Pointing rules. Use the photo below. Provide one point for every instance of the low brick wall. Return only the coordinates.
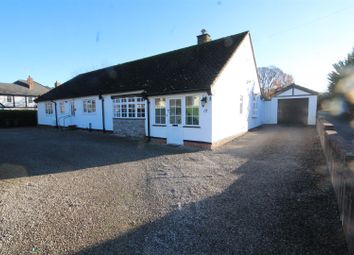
(155, 140)
(129, 127)
(340, 161)
(200, 145)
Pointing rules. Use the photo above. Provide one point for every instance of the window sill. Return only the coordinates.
(126, 118)
(158, 125)
(191, 126)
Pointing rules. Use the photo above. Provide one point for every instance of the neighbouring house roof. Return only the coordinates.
(22, 88)
(185, 70)
(295, 86)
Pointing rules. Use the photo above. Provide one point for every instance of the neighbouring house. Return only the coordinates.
(203, 95)
(21, 94)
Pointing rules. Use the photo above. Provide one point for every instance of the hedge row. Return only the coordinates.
(18, 118)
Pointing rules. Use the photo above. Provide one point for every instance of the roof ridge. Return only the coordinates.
(165, 53)
(186, 69)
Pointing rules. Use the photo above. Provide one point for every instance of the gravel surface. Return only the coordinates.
(267, 192)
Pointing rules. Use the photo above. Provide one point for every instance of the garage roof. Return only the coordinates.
(295, 86)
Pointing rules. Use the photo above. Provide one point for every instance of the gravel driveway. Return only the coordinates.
(267, 192)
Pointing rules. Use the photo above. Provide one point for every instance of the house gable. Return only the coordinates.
(233, 93)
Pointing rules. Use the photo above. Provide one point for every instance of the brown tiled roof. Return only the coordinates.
(185, 70)
(21, 88)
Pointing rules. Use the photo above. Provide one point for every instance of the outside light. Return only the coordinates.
(204, 100)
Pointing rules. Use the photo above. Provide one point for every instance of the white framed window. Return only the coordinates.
(131, 109)
(116, 108)
(9, 99)
(124, 109)
(89, 105)
(128, 107)
(160, 111)
(140, 107)
(254, 106)
(30, 100)
(49, 108)
(175, 110)
(62, 107)
(241, 104)
(192, 110)
(140, 110)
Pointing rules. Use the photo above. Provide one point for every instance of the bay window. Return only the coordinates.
(128, 107)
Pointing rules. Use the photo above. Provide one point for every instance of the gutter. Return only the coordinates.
(207, 90)
(144, 94)
(56, 114)
(148, 119)
(103, 116)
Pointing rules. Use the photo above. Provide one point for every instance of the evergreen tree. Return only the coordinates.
(342, 70)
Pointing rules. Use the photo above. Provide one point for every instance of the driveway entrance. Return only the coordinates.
(267, 192)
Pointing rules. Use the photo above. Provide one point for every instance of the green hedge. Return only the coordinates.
(18, 118)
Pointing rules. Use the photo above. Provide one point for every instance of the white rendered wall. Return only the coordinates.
(43, 118)
(270, 112)
(201, 133)
(255, 120)
(80, 119)
(298, 92)
(239, 77)
(108, 109)
(312, 110)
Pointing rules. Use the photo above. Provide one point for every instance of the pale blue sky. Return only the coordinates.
(56, 40)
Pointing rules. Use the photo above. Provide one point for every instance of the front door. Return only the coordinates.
(72, 108)
(71, 112)
(174, 123)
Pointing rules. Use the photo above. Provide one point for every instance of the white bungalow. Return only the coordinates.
(203, 95)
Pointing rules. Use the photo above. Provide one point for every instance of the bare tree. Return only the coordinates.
(272, 79)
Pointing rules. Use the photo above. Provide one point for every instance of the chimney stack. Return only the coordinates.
(57, 84)
(30, 82)
(204, 37)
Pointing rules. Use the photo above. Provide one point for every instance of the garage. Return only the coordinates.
(292, 105)
(293, 111)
